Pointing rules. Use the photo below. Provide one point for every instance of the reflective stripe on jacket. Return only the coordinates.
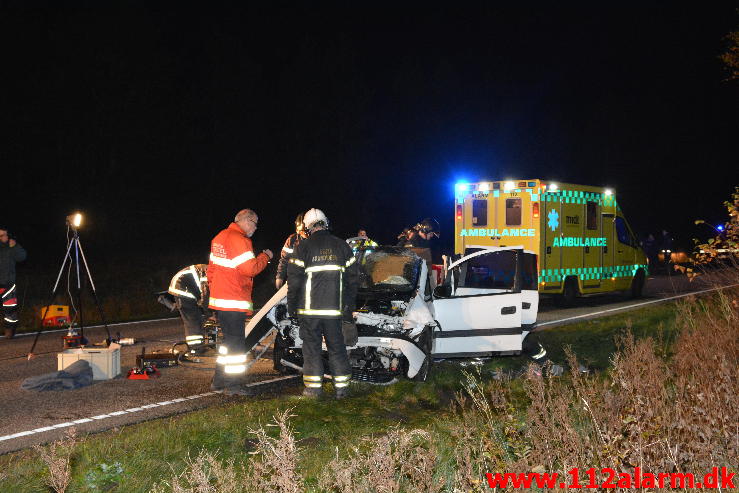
(231, 270)
(291, 244)
(191, 282)
(322, 278)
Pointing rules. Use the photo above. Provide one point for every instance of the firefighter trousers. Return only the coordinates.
(192, 319)
(312, 331)
(10, 308)
(231, 362)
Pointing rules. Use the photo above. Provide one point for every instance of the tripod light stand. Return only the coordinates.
(76, 257)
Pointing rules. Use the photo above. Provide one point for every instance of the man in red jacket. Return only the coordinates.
(231, 273)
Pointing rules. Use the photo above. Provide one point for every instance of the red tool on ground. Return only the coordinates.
(143, 372)
(146, 373)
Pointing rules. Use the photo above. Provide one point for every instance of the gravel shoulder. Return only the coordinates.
(30, 410)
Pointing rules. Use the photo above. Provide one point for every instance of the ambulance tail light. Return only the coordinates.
(459, 212)
(535, 210)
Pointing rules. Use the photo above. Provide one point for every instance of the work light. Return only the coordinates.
(74, 220)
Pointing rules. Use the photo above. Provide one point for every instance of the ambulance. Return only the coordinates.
(583, 242)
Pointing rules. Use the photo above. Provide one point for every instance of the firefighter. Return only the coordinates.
(290, 245)
(190, 290)
(321, 291)
(231, 271)
(361, 241)
(406, 236)
(421, 243)
(10, 254)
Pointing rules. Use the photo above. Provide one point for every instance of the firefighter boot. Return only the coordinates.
(236, 385)
(219, 379)
(313, 393)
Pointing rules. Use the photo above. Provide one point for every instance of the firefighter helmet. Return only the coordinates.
(313, 217)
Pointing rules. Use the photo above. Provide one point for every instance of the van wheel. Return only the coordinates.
(569, 295)
(637, 284)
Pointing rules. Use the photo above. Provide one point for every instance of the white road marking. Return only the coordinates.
(26, 334)
(643, 303)
(132, 410)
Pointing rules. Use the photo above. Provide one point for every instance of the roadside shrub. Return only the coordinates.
(57, 457)
(662, 415)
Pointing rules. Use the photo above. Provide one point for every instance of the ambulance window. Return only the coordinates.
(622, 232)
(480, 212)
(592, 216)
(513, 212)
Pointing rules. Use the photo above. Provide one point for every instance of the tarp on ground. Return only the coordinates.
(75, 376)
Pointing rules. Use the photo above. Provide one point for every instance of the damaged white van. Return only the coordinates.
(486, 306)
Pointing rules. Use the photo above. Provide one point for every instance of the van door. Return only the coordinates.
(529, 290)
(479, 307)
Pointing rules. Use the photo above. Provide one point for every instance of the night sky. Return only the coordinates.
(161, 121)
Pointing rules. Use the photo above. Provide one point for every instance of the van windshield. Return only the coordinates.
(389, 269)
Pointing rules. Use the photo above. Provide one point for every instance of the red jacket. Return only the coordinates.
(231, 270)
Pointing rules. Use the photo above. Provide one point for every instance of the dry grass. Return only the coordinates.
(663, 409)
(276, 467)
(401, 460)
(663, 415)
(57, 457)
(205, 474)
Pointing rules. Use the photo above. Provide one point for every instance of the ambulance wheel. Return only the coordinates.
(637, 284)
(569, 294)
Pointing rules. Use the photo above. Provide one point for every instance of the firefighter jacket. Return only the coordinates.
(231, 270)
(291, 244)
(9, 256)
(322, 278)
(191, 282)
(360, 243)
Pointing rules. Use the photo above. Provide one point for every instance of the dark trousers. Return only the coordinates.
(232, 324)
(10, 308)
(192, 316)
(233, 344)
(312, 331)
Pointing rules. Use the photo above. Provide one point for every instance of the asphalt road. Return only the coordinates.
(38, 417)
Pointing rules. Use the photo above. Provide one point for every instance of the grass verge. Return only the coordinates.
(641, 404)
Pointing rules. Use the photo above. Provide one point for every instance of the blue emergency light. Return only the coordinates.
(462, 187)
(720, 227)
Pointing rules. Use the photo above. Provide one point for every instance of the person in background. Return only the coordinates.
(231, 271)
(291, 244)
(10, 254)
(665, 245)
(361, 241)
(405, 237)
(652, 251)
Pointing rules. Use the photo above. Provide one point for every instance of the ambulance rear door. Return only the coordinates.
(551, 255)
